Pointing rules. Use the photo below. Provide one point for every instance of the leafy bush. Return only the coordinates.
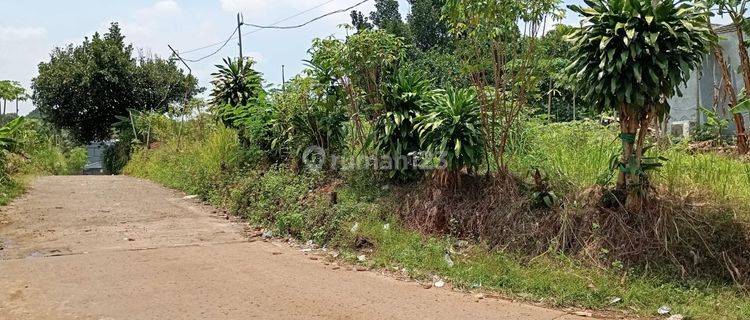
(393, 133)
(307, 116)
(116, 157)
(8, 132)
(712, 128)
(452, 127)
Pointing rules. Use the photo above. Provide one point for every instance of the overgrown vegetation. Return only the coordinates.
(420, 146)
(301, 206)
(31, 147)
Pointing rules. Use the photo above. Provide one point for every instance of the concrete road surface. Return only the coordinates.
(103, 247)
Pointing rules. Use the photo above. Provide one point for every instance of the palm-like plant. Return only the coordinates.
(632, 55)
(451, 127)
(236, 84)
(393, 133)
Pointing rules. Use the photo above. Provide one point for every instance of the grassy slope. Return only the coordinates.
(41, 157)
(285, 201)
(9, 190)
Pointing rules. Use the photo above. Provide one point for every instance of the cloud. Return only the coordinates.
(159, 9)
(246, 5)
(148, 25)
(281, 8)
(13, 33)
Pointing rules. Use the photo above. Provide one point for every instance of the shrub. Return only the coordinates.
(307, 116)
(393, 133)
(452, 127)
(116, 157)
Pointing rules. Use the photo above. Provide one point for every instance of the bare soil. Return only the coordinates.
(101, 247)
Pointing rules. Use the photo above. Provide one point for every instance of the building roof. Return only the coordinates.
(730, 28)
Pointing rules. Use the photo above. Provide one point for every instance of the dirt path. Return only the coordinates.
(101, 247)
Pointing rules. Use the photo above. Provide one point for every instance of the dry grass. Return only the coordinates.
(681, 236)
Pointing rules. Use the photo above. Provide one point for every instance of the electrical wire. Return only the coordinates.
(223, 43)
(217, 50)
(308, 22)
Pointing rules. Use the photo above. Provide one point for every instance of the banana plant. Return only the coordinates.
(8, 141)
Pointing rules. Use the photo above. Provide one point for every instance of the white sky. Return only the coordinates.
(30, 29)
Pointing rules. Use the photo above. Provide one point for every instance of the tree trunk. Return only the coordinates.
(574, 105)
(745, 64)
(17, 108)
(731, 92)
(549, 101)
(5, 104)
(628, 130)
(634, 125)
(744, 59)
(636, 186)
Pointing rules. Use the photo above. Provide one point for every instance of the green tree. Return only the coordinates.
(236, 88)
(496, 61)
(6, 93)
(426, 26)
(84, 88)
(360, 21)
(386, 17)
(632, 55)
(11, 91)
(159, 82)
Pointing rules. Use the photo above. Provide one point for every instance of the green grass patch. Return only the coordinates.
(10, 189)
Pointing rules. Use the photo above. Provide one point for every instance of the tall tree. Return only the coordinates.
(158, 82)
(360, 21)
(387, 17)
(84, 88)
(6, 93)
(632, 55)
(18, 94)
(426, 26)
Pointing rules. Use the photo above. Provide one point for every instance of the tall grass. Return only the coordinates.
(574, 156)
(190, 164)
(577, 155)
(725, 178)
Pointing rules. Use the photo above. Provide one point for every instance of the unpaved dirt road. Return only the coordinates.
(100, 247)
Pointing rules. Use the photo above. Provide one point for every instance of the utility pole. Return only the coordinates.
(239, 33)
(187, 97)
(283, 79)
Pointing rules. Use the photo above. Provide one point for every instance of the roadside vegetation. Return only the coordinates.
(32, 147)
(367, 219)
(473, 141)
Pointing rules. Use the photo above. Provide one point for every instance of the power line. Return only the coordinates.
(308, 22)
(297, 15)
(272, 26)
(217, 50)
